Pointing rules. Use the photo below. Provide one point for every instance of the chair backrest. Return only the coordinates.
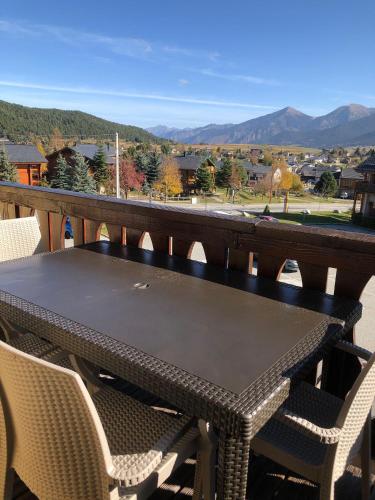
(59, 448)
(353, 416)
(19, 238)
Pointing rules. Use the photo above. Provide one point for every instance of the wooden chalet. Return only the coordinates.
(88, 151)
(348, 181)
(188, 166)
(29, 162)
(365, 191)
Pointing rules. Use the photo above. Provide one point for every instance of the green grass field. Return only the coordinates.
(315, 218)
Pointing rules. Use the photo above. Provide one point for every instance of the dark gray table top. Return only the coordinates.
(223, 327)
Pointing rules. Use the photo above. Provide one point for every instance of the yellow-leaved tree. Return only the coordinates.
(286, 181)
(169, 182)
(56, 140)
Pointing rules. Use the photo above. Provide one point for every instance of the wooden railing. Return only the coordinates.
(227, 241)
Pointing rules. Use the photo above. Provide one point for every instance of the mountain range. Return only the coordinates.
(21, 123)
(351, 125)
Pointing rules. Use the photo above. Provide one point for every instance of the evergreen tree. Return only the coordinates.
(153, 168)
(141, 161)
(100, 167)
(224, 173)
(326, 185)
(61, 178)
(166, 149)
(82, 181)
(8, 171)
(267, 210)
(203, 178)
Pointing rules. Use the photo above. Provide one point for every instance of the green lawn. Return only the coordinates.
(314, 218)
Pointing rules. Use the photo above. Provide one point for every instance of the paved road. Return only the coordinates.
(275, 207)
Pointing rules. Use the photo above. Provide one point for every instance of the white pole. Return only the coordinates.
(117, 169)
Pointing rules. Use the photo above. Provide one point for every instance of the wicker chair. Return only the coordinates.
(317, 435)
(68, 445)
(21, 238)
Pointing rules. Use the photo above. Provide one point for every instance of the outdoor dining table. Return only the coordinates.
(218, 344)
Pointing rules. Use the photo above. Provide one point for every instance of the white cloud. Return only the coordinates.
(238, 77)
(133, 95)
(15, 29)
(125, 46)
(183, 82)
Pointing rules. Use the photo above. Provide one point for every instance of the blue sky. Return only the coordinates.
(187, 63)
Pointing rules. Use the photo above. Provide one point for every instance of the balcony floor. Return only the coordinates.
(267, 481)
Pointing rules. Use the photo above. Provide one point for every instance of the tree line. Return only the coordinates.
(21, 124)
(144, 169)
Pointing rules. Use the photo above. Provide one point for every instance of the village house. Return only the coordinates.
(188, 166)
(28, 160)
(348, 180)
(88, 151)
(311, 173)
(365, 191)
(256, 173)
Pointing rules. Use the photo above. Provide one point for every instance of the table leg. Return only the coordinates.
(340, 370)
(233, 464)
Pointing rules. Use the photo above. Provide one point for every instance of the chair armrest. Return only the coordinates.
(353, 349)
(321, 434)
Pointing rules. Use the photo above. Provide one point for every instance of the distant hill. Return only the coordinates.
(21, 123)
(347, 125)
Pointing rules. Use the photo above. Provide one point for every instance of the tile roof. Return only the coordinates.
(189, 162)
(368, 165)
(314, 171)
(351, 173)
(250, 167)
(89, 151)
(24, 153)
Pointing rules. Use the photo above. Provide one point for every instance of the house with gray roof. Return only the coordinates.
(29, 161)
(348, 180)
(188, 166)
(311, 173)
(88, 151)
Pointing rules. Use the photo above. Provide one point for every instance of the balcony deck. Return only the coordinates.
(230, 242)
(267, 480)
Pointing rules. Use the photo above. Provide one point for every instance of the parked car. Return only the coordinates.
(268, 218)
(291, 266)
(68, 229)
(222, 212)
(344, 195)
